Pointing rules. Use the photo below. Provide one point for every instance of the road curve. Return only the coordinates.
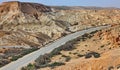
(25, 60)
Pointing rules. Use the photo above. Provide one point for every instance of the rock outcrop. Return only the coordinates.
(26, 24)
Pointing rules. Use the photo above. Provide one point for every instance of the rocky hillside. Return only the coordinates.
(33, 24)
(26, 24)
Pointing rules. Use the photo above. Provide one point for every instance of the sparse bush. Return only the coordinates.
(86, 45)
(56, 51)
(14, 58)
(23, 68)
(111, 68)
(94, 32)
(64, 34)
(118, 66)
(42, 60)
(75, 53)
(82, 50)
(102, 46)
(98, 48)
(3, 62)
(24, 52)
(67, 58)
(64, 56)
(56, 64)
(80, 55)
(96, 55)
(29, 67)
(28, 51)
(68, 47)
(90, 54)
(70, 53)
(85, 35)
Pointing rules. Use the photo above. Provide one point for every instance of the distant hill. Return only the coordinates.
(81, 7)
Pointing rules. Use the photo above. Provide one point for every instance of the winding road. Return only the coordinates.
(25, 60)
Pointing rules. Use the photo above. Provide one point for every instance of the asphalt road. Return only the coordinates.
(24, 61)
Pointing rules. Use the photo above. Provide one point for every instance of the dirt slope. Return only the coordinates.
(108, 61)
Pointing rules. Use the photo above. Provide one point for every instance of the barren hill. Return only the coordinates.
(24, 24)
(29, 8)
(21, 12)
(21, 23)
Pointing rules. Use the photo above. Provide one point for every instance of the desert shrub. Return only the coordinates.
(94, 32)
(78, 39)
(3, 62)
(110, 48)
(29, 67)
(90, 54)
(118, 66)
(23, 68)
(27, 51)
(70, 53)
(80, 55)
(56, 64)
(67, 58)
(83, 39)
(42, 60)
(88, 50)
(86, 45)
(111, 68)
(75, 53)
(87, 35)
(96, 55)
(64, 34)
(102, 46)
(93, 25)
(82, 50)
(14, 58)
(24, 52)
(56, 51)
(67, 47)
(64, 56)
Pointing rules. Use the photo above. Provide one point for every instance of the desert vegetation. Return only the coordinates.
(12, 54)
(90, 54)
